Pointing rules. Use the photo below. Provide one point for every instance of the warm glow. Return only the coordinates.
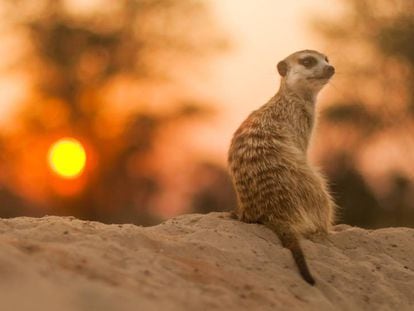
(67, 157)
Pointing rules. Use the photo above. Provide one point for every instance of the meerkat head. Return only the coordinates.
(305, 72)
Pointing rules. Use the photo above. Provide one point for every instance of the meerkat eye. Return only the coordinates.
(308, 61)
(326, 58)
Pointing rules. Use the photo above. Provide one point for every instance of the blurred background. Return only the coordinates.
(122, 111)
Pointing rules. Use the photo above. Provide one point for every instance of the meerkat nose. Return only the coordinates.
(329, 71)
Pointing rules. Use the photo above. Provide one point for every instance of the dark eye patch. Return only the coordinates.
(326, 58)
(308, 61)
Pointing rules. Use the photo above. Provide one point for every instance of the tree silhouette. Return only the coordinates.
(368, 147)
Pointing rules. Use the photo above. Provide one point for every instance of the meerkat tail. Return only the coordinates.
(290, 240)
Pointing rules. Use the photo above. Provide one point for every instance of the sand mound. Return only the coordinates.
(198, 262)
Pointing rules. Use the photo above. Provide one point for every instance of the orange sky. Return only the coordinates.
(262, 32)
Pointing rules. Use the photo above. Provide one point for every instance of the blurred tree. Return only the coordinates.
(367, 144)
(214, 189)
(85, 59)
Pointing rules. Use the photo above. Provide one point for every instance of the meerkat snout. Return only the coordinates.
(329, 71)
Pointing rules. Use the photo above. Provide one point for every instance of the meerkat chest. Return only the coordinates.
(300, 121)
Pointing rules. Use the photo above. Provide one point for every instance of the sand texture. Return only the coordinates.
(198, 262)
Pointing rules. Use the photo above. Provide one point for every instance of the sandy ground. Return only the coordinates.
(198, 262)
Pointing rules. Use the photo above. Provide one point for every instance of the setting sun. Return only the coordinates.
(67, 157)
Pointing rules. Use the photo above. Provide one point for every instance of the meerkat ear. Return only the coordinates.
(282, 67)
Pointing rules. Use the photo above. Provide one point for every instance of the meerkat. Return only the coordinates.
(274, 181)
